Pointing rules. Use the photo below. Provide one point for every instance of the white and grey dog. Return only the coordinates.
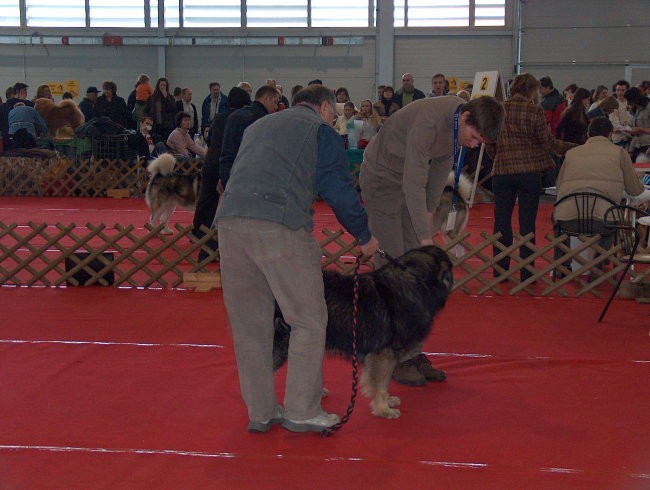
(167, 189)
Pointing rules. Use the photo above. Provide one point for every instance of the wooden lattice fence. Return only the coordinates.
(63, 176)
(36, 254)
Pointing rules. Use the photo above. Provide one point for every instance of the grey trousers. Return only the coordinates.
(389, 222)
(262, 261)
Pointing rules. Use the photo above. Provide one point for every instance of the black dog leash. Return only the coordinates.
(355, 360)
(390, 259)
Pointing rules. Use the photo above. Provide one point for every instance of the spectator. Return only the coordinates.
(600, 93)
(144, 141)
(552, 102)
(349, 112)
(43, 92)
(640, 143)
(522, 155)
(162, 108)
(180, 142)
(215, 103)
(342, 95)
(294, 90)
(26, 117)
(247, 87)
(438, 85)
(465, 95)
(110, 105)
(371, 123)
(186, 105)
(284, 102)
(621, 118)
(380, 89)
(67, 96)
(574, 122)
(18, 94)
(316, 81)
(178, 93)
(644, 88)
(408, 93)
(386, 105)
(206, 206)
(266, 102)
(568, 92)
(139, 98)
(604, 108)
(87, 105)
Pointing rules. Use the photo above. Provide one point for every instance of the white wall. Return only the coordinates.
(599, 34)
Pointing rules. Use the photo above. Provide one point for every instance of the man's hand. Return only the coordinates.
(219, 187)
(369, 248)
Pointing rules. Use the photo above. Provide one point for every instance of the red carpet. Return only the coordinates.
(131, 389)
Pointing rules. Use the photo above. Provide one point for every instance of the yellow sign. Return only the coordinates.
(72, 86)
(465, 85)
(56, 88)
(453, 84)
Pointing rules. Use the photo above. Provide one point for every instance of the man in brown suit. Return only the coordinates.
(404, 171)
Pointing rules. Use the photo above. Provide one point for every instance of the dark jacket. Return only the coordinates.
(88, 109)
(167, 112)
(115, 109)
(417, 94)
(554, 105)
(205, 108)
(233, 133)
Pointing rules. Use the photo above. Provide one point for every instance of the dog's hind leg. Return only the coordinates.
(377, 371)
(164, 218)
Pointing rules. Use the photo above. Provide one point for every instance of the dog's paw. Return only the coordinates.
(386, 412)
(166, 231)
(394, 401)
(325, 393)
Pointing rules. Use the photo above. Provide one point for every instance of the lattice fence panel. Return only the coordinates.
(36, 254)
(69, 177)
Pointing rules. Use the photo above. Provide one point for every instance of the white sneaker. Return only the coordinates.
(263, 427)
(315, 424)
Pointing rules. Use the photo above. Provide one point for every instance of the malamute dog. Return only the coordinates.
(462, 207)
(166, 190)
(397, 304)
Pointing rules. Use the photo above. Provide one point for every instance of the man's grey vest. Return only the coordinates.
(272, 178)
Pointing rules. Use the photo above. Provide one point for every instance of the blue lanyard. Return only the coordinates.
(459, 156)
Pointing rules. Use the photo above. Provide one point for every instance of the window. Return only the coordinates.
(448, 13)
(9, 13)
(339, 13)
(63, 13)
(276, 13)
(211, 13)
(116, 13)
(171, 13)
(438, 13)
(490, 13)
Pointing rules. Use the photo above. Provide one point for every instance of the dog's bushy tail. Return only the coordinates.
(464, 185)
(162, 165)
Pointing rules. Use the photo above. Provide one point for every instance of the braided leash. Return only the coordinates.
(355, 360)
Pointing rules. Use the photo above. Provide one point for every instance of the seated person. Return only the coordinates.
(371, 122)
(598, 166)
(180, 142)
(342, 121)
(144, 141)
(25, 117)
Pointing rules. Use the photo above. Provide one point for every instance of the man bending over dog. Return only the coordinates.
(268, 252)
(404, 172)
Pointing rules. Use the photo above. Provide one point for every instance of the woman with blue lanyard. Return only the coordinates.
(404, 172)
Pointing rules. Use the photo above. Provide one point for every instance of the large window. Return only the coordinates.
(116, 13)
(489, 13)
(62, 13)
(249, 13)
(211, 13)
(339, 13)
(276, 13)
(9, 13)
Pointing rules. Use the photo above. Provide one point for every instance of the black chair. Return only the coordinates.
(585, 205)
(621, 218)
